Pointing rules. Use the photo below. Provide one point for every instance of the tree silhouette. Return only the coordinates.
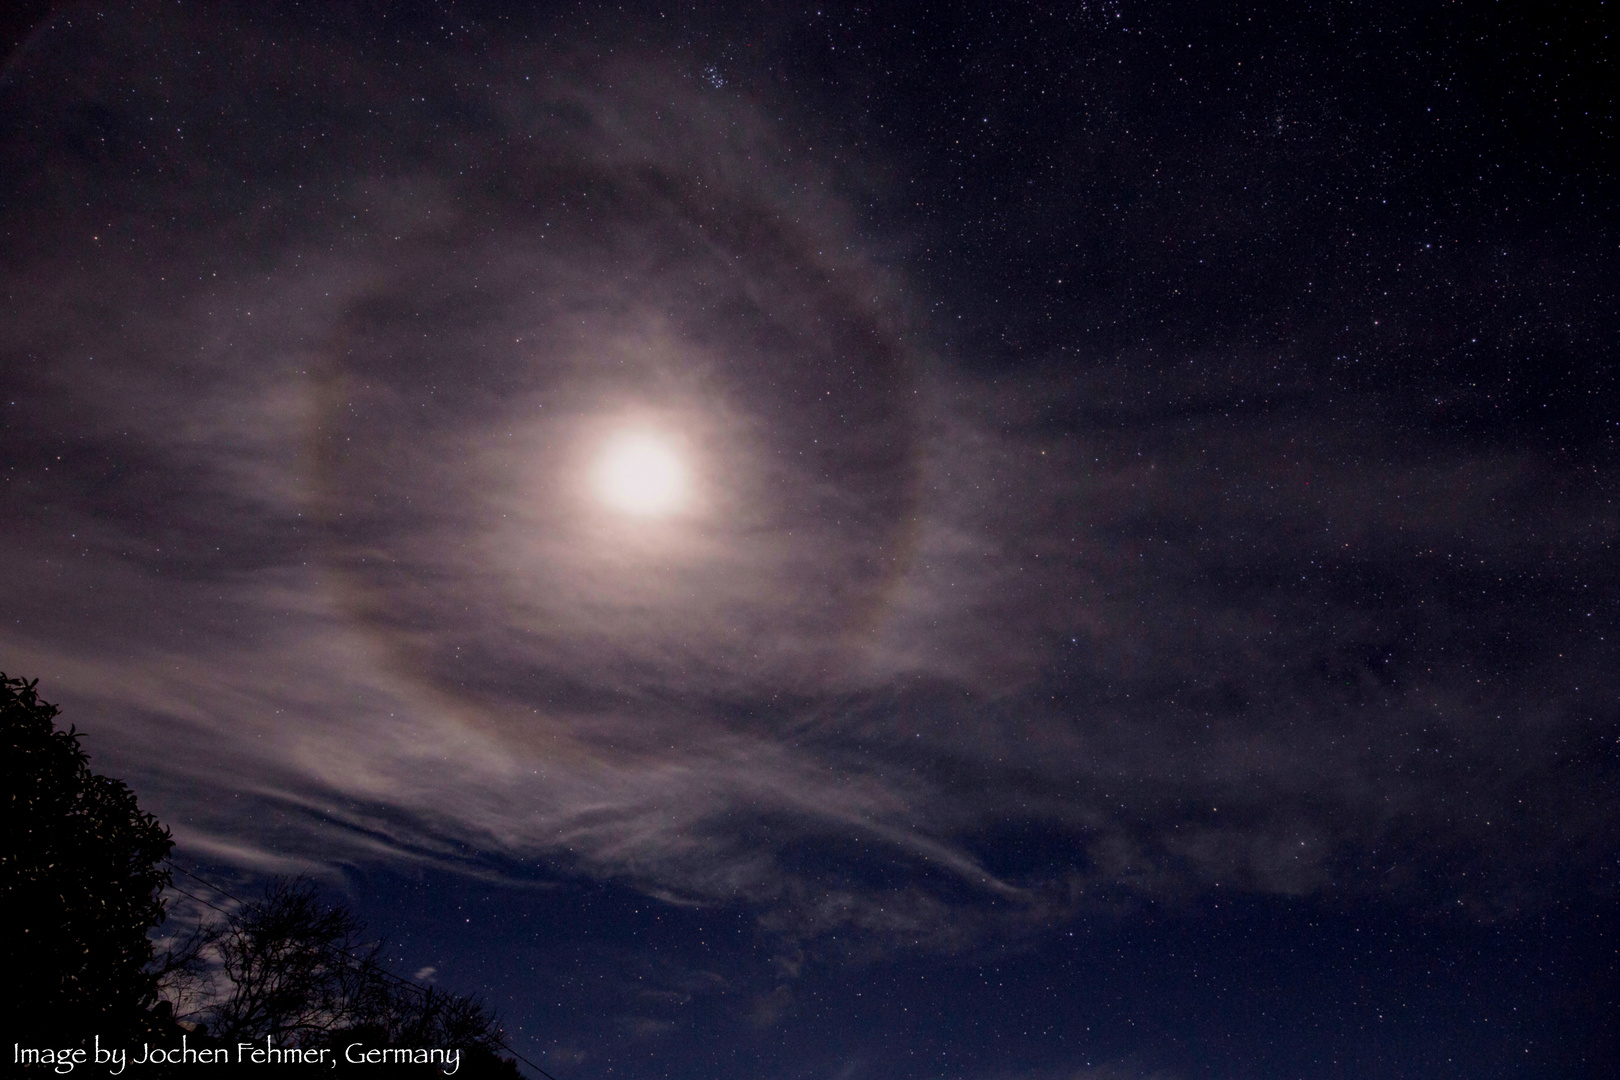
(301, 973)
(82, 881)
(285, 967)
(83, 878)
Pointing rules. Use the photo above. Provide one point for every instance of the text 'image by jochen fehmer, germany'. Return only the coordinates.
(823, 541)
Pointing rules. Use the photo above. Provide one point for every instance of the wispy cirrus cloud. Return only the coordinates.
(314, 554)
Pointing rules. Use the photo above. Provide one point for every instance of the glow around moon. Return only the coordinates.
(641, 475)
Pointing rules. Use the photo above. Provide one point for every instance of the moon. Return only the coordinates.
(639, 474)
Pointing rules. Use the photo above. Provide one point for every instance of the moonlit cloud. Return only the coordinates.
(581, 493)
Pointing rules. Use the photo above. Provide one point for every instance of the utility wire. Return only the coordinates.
(385, 973)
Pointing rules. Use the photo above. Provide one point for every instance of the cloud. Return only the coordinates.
(931, 655)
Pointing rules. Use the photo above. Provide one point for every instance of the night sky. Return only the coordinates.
(775, 542)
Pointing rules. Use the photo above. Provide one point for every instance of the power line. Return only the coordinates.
(384, 972)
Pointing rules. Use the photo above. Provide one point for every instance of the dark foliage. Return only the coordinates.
(81, 881)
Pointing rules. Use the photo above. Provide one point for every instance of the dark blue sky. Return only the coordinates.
(1132, 589)
(1225, 987)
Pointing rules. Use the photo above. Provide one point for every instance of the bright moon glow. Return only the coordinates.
(639, 474)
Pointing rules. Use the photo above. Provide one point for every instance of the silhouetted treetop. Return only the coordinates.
(81, 875)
